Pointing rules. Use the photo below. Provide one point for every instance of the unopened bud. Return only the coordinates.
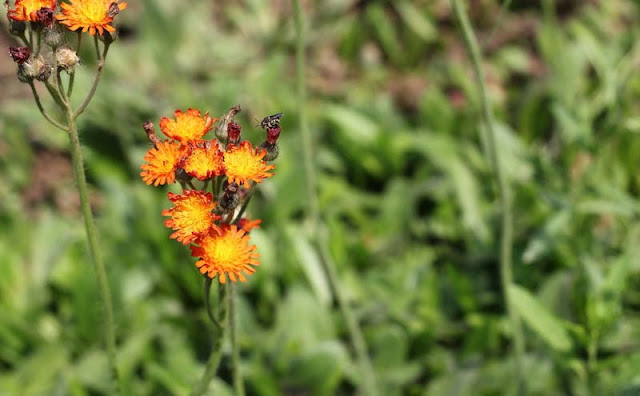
(23, 73)
(272, 151)
(19, 54)
(45, 16)
(17, 28)
(151, 131)
(108, 37)
(67, 59)
(43, 71)
(230, 198)
(233, 132)
(53, 36)
(273, 134)
(182, 177)
(221, 128)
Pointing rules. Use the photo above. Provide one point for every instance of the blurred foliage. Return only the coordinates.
(408, 203)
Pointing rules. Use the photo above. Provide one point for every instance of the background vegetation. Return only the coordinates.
(408, 202)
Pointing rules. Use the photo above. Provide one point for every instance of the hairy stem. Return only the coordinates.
(216, 352)
(506, 240)
(46, 115)
(92, 238)
(238, 383)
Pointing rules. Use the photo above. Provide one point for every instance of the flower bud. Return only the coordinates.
(230, 198)
(24, 73)
(182, 177)
(43, 70)
(45, 17)
(272, 151)
(53, 37)
(108, 37)
(67, 59)
(151, 131)
(233, 132)
(19, 54)
(17, 28)
(221, 128)
(273, 134)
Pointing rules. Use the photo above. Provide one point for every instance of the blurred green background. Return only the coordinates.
(407, 199)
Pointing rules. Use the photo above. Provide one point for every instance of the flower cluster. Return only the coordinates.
(218, 177)
(41, 23)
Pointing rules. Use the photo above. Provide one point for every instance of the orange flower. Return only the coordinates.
(247, 225)
(25, 10)
(90, 15)
(226, 253)
(203, 160)
(162, 161)
(191, 215)
(188, 126)
(244, 163)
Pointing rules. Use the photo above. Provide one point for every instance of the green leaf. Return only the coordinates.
(543, 322)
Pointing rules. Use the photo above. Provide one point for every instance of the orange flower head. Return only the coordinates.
(188, 126)
(191, 215)
(25, 10)
(162, 160)
(90, 15)
(244, 163)
(226, 253)
(203, 160)
(247, 225)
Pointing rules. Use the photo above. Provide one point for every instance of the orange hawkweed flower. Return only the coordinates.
(90, 15)
(244, 163)
(247, 225)
(25, 10)
(191, 215)
(203, 160)
(188, 126)
(162, 161)
(226, 253)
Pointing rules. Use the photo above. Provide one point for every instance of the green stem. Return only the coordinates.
(43, 111)
(96, 81)
(72, 77)
(207, 301)
(238, 384)
(366, 368)
(307, 140)
(499, 19)
(216, 352)
(92, 238)
(506, 240)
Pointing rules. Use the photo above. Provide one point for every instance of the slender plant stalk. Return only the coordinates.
(366, 368)
(307, 140)
(368, 385)
(501, 14)
(45, 114)
(506, 240)
(92, 238)
(216, 352)
(238, 383)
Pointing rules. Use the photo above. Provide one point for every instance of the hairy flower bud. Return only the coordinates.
(230, 198)
(19, 54)
(272, 151)
(67, 59)
(150, 131)
(45, 17)
(108, 37)
(233, 132)
(24, 73)
(43, 69)
(273, 134)
(53, 36)
(113, 10)
(17, 28)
